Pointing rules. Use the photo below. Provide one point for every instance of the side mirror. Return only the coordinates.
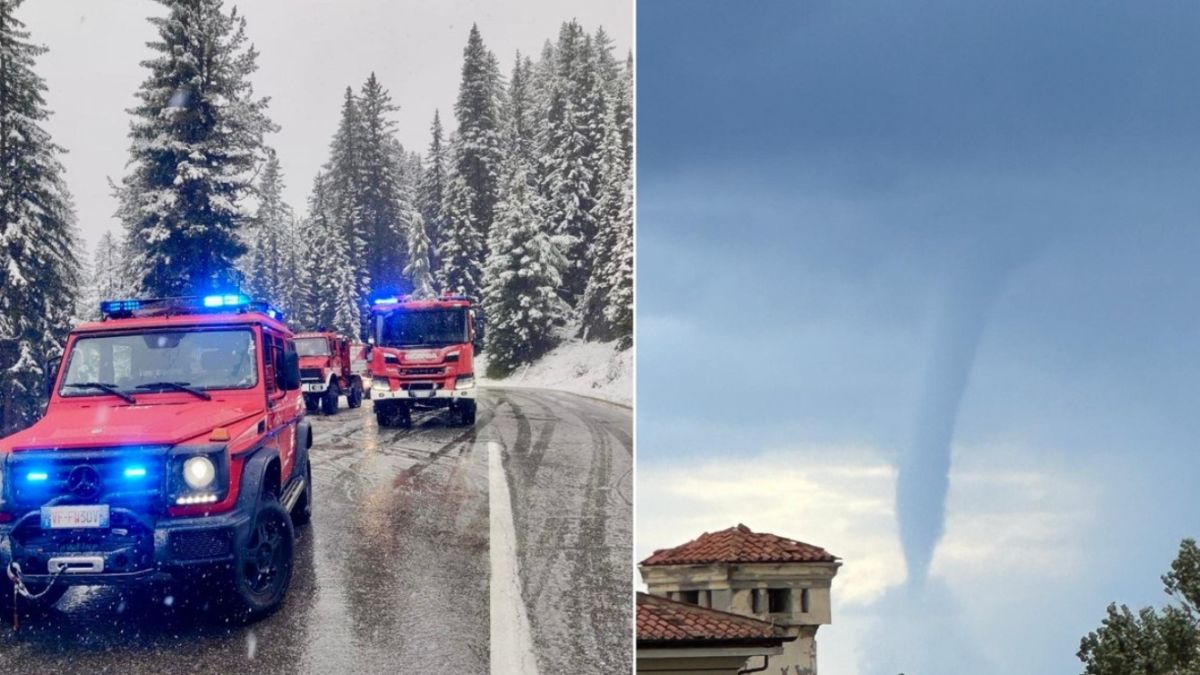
(50, 373)
(291, 371)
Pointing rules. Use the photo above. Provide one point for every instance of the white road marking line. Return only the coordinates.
(511, 642)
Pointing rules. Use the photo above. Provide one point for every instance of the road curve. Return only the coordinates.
(394, 573)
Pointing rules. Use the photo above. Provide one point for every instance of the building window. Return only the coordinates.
(777, 600)
(804, 600)
(690, 597)
(756, 601)
(706, 596)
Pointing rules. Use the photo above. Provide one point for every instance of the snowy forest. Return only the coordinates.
(520, 197)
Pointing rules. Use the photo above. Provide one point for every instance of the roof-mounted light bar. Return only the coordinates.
(224, 302)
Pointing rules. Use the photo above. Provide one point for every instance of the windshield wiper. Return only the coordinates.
(177, 386)
(105, 387)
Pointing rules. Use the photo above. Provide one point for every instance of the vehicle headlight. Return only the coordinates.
(464, 382)
(199, 472)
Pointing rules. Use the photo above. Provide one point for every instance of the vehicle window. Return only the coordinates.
(423, 328)
(208, 359)
(314, 346)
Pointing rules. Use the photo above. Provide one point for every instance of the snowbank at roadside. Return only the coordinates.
(593, 369)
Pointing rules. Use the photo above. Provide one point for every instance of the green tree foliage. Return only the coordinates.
(1152, 641)
(197, 135)
(39, 262)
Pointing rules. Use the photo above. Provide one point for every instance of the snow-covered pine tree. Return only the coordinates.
(346, 317)
(479, 153)
(196, 135)
(268, 274)
(523, 280)
(344, 183)
(106, 268)
(39, 267)
(607, 306)
(418, 270)
(462, 250)
(384, 216)
(318, 233)
(520, 133)
(575, 124)
(431, 191)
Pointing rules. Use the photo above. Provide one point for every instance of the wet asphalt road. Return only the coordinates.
(393, 574)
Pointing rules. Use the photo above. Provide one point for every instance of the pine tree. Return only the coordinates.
(196, 138)
(345, 176)
(268, 273)
(432, 189)
(384, 216)
(418, 270)
(39, 264)
(106, 268)
(575, 121)
(607, 305)
(318, 235)
(521, 299)
(462, 249)
(521, 115)
(479, 154)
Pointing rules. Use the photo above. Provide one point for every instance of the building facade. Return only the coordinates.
(762, 576)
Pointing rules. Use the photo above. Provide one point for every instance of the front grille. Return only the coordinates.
(310, 374)
(117, 476)
(201, 544)
(421, 371)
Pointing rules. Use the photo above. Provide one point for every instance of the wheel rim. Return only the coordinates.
(264, 555)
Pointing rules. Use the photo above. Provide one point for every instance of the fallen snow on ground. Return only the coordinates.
(593, 369)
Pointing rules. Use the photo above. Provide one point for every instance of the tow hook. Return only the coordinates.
(19, 589)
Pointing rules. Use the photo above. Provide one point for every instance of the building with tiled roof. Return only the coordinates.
(756, 575)
(680, 638)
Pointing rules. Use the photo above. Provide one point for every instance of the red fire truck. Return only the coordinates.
(326, 372)
(174, 448)
(422, 356)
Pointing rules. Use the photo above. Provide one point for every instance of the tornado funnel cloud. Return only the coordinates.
(924, 468)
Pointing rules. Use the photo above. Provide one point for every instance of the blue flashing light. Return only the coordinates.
(37, 476)
(225, 300)
(135, 472)
(387, 301)
(112, 306)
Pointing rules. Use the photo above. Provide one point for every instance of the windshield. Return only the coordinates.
(316, 346)
(423, 328)
(200, 359)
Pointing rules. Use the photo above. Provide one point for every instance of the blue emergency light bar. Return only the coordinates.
(236, 302)
(387, 301)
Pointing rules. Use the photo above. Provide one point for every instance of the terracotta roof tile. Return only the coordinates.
(739, 545)
(663, 620)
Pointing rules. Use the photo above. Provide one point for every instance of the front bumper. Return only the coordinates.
(146, 550)
(379, 394)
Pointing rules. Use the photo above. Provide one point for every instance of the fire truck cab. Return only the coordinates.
(326, 372)
(422, 356)
(173, 449)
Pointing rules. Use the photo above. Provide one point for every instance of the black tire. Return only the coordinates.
(466, 412)
(354, 397)
(302, 511)
(311, 403)
(263, 562)
(329, 402)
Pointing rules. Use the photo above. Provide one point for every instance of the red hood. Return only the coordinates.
(105, 422)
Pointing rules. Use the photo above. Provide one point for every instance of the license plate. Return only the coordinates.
(70, 517)
(421, 393)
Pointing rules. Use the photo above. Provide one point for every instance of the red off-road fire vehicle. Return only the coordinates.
(326, 372)
(174, 449)
(423, 356)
